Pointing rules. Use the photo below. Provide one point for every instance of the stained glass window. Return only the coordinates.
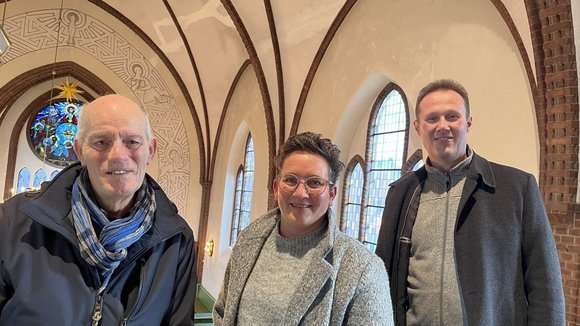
(52, 132)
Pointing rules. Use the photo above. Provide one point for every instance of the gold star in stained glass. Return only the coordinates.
(69, 90)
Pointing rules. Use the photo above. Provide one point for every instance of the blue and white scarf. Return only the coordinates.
(108, 249)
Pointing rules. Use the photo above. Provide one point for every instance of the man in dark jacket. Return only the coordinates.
(466, 241)
(101, 244)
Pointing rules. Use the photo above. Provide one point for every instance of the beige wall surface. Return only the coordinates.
(468, 42)
(245, 114)
(409, 43)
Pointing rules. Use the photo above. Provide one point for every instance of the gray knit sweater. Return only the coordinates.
(277, 275)
(433, 286)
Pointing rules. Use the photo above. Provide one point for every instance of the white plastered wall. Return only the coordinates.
(467, 41)
(245, 114)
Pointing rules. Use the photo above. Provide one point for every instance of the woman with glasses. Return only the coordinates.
(292, 265)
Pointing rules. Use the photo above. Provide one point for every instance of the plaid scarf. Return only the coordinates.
(108, 249)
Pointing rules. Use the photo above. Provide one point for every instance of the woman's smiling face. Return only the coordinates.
(303, 213)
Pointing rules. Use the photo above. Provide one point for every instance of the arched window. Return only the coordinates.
(386, 150)
(237, 206)
(53, 174)
(414, 162)
(39, 178)
(354, 182)
(243, 194)
(23, 180)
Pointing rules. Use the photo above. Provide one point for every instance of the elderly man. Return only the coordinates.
(100, 244)
(467, 241)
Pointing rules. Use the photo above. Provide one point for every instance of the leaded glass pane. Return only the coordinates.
(236, 214)
(243, 196)
(352, 210)
(248, 184)
(23, 180)
(52, 132)
(53, 174)
(387, 141)
(39, 177)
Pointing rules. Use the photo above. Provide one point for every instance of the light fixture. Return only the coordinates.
(209, 248)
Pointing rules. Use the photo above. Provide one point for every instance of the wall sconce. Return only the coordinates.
(209, 248)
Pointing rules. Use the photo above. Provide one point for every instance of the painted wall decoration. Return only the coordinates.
(52, 132)
(92, 36)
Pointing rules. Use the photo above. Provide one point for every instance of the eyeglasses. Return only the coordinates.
(313, 185)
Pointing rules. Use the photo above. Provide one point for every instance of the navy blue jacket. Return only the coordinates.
(44, 280)
(507, 262)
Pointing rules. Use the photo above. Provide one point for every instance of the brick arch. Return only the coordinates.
(555, 95)
(557, 112)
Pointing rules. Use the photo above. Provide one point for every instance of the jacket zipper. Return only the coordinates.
(97, 314)
(97, 310)
(124, 321)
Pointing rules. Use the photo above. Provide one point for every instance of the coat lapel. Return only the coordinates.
(243, 264)
(319, 272)
(479, 175)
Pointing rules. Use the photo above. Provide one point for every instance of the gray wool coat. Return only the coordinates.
(506, 257)
(348, 285)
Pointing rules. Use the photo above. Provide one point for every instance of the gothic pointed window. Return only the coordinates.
(23, 180)
(39, 178)
(387, 138)
(354, 182)
(243, 193)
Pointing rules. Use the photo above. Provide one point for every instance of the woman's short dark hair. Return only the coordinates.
(312, 143)
(443, 84)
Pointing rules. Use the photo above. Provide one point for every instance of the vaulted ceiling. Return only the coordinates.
(207, 42)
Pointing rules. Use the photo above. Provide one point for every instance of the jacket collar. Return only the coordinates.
(51, 207)
(479, 168)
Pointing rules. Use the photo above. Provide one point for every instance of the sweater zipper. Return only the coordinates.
(447, 189)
